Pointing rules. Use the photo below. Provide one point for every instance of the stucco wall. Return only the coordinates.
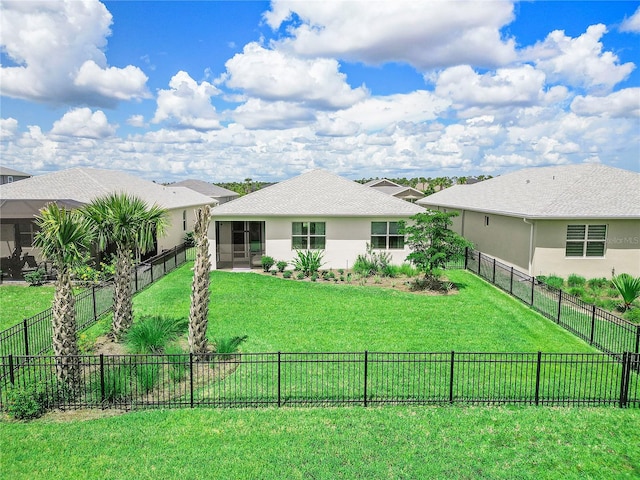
(622, 252)
(175, 231)
(346, 238)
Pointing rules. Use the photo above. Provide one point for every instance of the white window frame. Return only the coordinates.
(387, 235)
(584, 237)
(311, 234)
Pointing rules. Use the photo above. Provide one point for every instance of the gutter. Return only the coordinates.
(531, 231)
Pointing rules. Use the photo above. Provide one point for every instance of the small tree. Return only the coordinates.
(433, 245)
(199, 311)
(628, 287)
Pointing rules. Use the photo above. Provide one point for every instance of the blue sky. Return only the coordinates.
(223, 91)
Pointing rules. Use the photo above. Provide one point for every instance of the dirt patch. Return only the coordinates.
(81, 415)
(105, 344)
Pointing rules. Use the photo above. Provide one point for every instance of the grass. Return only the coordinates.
(284, 315)
(352, 443)
(18, 302)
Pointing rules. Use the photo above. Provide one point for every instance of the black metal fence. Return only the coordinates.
(33, 335)
(316, 379)
(600, 328)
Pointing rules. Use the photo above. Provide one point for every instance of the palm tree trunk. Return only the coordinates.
(65, 344)
(123, 294)
(199, 312)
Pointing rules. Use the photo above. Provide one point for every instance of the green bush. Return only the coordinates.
(552, 281)
(287, 274)
(267, 262)
(597, 283)
(629, 288)
(576, 291)
(633, 315)
(576, 280)
(26, 402)
(117, 383)
(228, 345)
(281, 265)
(179, 363)
(308, 261)
(35, 278)
(372, 262)
(314, 276)
(147, 375)
(300, 275)
(151, 334)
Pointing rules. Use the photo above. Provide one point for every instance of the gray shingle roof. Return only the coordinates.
(84, 184)
(318, 193)
(567, 191)
(206, 188)
(11, 171)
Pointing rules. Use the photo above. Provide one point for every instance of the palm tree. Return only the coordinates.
(128, 223)
(199, 312)
(628, 287)
(65, 238)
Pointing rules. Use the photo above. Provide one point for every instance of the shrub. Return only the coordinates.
(228, 345)
(577, 291)
(189, 239)
(35, 278)
(274, 272)
(267, 262)
(576, 280)
(596, 283)
(281, 265)
(300, 275)
(308, 261)
(179, 363)
(147, 375)
(553, 281)
(372, 262)
(151, 334)
(628, 287)
(314, 277)
(287, 274)
(117, 383)
(26, 402)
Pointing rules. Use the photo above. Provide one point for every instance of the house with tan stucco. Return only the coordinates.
(75, 187)
(582, 219)
(317, 210)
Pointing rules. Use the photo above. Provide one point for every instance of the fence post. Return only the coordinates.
(559, 306)
(175, 255)
(479, 262)
(135, 275)
(164, 265)
(466, 257)
(451, 377)
(638, 339)
(533, 287)
(624, 381)
(12, 378)
(279, 380)
(538, 367)
(494, 272)
(151, 269)
(511, 282)
(95, 307)
(102, 380)
(26, 336)
(366, 374)
(191, 378)
(593, 324)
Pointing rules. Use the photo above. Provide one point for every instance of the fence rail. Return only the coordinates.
(599, 328)
(32, 336)
(317, 379)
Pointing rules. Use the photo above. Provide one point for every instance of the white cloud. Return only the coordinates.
(256, 113)
(579, 61)
(82, 122)
(8, 128)
(136, 121)
(187, 103)
(57, 49)
(623, 103)
(631, 24)
(276, 76)
(425, 35)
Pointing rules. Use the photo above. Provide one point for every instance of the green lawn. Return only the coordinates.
(328, 443)
(18, 302)
(294, 316)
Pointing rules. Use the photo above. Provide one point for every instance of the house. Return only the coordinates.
(219, 194)
(317, 210)
(399, 191)
(9, 175)
(21, 201)
(582, 219)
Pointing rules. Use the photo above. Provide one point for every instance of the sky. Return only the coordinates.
(225, 91)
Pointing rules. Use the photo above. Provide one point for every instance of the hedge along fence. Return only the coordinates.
(327, 379)
(33, 335)
(599, 328)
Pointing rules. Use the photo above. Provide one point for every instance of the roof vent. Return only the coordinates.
(528, 181)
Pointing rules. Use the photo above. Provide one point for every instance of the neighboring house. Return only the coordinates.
(20, 201)
(219, 194)
(582, 219)
(399, 191)
(9, 175)
(314, 211)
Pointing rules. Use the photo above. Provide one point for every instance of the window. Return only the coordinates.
(9, 179)
(308, 235)
(184, 220)
(586, 240)
(26, 232)
(385, 235)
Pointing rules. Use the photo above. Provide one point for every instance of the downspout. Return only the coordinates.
(462, 221)
(530, 245)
